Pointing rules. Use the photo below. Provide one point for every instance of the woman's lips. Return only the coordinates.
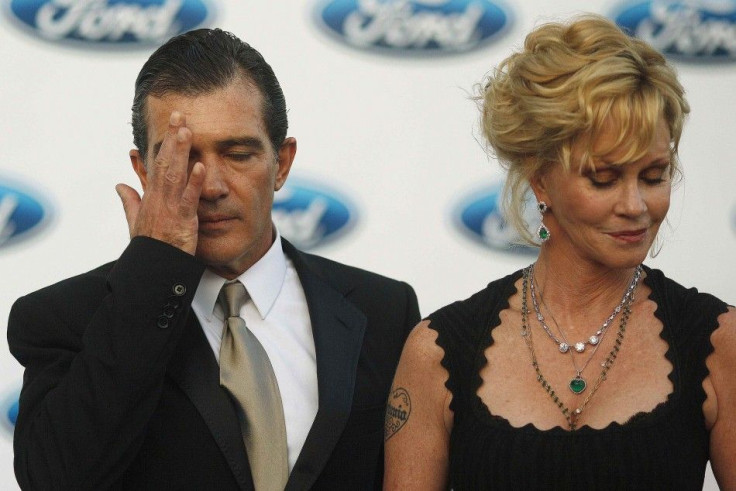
(629, 236)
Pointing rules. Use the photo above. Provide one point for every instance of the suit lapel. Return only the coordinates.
(338, 329)
(194, 368)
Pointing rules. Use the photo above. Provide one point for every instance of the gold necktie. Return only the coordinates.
(246, 372)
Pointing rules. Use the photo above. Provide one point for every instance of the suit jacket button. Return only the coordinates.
(179, 289)
(163, 322)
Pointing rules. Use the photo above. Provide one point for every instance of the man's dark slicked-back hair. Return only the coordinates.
(199, 62)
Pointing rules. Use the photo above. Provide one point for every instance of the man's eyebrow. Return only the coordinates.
(245, 141)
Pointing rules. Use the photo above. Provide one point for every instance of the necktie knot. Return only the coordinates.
(232, 297)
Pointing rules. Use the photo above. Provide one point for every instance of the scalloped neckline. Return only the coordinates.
(641, 418)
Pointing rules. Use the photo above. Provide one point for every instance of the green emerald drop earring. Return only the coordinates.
(542, 231)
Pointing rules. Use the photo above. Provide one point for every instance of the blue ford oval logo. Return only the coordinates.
(689, 30)
(22, 212)
(9, 411)
(128, 23)
(479, 217)
(308, 214)
(414, 26)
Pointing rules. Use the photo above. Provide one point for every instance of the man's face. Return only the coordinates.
(242, 170)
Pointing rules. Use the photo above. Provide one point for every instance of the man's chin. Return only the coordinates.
(212, 256)
(229, 264)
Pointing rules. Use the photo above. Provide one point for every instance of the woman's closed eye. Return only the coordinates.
(603, 179)
(656, 175)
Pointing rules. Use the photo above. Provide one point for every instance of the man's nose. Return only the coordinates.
(214, 186)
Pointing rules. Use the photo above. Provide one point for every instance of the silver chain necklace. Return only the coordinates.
(577, 384)
(593, 340)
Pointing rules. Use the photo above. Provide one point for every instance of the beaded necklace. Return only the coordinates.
(578, 384)
(572, 417)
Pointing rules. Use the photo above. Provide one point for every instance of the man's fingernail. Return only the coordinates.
(175, 118)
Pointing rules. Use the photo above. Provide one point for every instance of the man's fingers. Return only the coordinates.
(190, 196)
(172, 160)
(131, 204)
(168, 209)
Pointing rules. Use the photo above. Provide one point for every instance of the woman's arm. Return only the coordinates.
(418, 418)
(721, 388)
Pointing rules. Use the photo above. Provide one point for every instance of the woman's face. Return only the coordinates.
(609, 216)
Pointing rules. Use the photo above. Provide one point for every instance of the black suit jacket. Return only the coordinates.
(121, 389)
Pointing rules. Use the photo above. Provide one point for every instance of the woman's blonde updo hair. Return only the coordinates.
(564, 87)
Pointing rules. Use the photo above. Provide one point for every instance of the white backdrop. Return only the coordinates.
(394, 133)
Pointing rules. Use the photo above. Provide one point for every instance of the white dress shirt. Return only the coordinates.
(277, 315)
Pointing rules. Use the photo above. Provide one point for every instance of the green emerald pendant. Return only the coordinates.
(543, 233)
(577, 385)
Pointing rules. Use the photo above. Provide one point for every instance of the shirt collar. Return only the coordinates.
(263, 281)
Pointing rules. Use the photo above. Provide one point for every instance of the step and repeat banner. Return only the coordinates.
(390, 173)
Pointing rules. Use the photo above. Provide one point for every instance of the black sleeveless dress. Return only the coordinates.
(665, 449)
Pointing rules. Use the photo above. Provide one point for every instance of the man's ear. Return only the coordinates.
(287, 151)
(139, 166)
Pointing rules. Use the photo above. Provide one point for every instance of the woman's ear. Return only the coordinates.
(539, 185)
